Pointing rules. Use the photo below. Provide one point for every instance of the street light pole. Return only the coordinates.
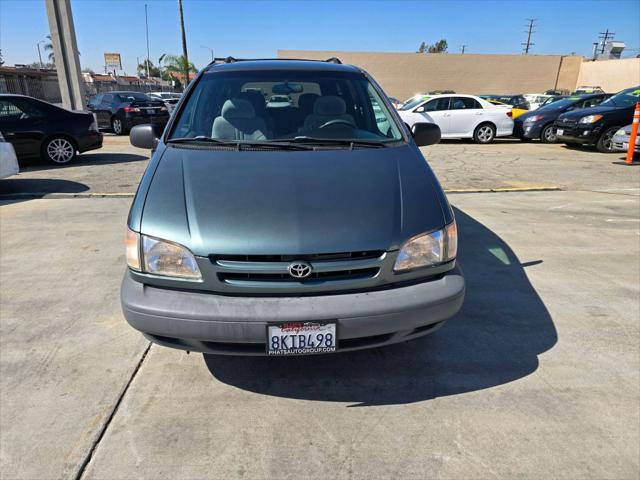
(146, 21)
(208, 48)
(39, 54)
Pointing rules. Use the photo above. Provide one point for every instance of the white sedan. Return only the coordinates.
(459, 116)
(8, 160)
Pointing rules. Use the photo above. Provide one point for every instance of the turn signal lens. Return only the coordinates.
(132, 246)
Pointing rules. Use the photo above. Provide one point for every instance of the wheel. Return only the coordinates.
(117, 127)
(605, 142)
(59, 150)
(548, 134)
(485, 133)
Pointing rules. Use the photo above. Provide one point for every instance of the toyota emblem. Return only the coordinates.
(299, 269)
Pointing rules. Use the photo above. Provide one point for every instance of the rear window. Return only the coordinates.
(134, 97)
(250, 105)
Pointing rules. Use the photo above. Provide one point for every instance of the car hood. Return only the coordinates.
(291, 202)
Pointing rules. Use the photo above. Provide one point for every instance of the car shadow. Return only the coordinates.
(496, 338)
(38, 187)
(36, 165)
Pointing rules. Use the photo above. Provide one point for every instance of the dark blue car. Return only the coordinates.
(539, 124)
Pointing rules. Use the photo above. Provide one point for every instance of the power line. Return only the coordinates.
(529, 31)
(606, 35)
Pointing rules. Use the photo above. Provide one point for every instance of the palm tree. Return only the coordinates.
(48, 47)
(178, 65)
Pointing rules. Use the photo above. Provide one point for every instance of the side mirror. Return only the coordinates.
(425, 133)
(420, 109)
(143, 136)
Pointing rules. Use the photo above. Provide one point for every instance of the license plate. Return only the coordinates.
(559, 131)
(151, 111)
(301, 338)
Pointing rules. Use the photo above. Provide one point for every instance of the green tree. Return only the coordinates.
(439, 47)
(177, 64)
(153, 70)
(48, 47)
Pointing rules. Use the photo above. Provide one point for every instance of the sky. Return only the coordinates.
(259, 28)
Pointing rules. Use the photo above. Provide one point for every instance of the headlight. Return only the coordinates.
(620, 132)
(590, 119)
(160, 257)
(532, 119)
(428, 249)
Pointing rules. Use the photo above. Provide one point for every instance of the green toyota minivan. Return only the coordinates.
(306, 226)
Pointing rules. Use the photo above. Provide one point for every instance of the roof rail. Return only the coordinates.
(230, 59)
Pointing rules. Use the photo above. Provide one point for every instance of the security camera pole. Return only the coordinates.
(65, 50)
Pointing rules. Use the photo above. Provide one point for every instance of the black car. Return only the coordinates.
(516, 101)
(39, 129)
(597, 125)
(538, 124)
(120, 111)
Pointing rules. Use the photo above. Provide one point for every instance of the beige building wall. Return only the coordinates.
(611, 75)
(402, 75)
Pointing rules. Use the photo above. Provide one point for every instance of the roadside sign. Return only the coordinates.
(112, 61)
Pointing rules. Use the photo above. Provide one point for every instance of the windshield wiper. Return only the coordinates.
(339, 141)
(240, 143)
(199, 138)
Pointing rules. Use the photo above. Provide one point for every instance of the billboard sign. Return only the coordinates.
(112, 61)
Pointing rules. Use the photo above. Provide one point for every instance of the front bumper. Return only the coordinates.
(619, 142)
(212, 323)
(582, 134)
(526, 130)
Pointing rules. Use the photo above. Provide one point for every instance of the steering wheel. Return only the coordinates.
(337, 121)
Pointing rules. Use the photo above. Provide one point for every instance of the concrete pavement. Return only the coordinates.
(538, 376)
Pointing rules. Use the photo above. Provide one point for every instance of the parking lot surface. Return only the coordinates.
(537, 376)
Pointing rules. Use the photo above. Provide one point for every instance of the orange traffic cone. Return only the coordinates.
(634, 135)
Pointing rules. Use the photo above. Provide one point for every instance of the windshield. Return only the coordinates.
(625, 98)
(241, 105)
(559, 104)
(413, 103)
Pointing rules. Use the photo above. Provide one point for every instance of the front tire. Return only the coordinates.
(59, 151)
(484, 133)
(548, 134)
(117, 126)
(605, 142)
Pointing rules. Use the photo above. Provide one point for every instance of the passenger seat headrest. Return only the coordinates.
(330, 105)
(237, 108)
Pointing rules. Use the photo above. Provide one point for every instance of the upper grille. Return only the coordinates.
(273, 270)
(568, 122)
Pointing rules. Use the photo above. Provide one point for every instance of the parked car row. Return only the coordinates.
(584, 119)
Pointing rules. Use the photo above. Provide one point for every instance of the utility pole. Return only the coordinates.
(529, 32)
(65, 49)
(606, 35)
(462, 49)
(146, 21)
(185, 55)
